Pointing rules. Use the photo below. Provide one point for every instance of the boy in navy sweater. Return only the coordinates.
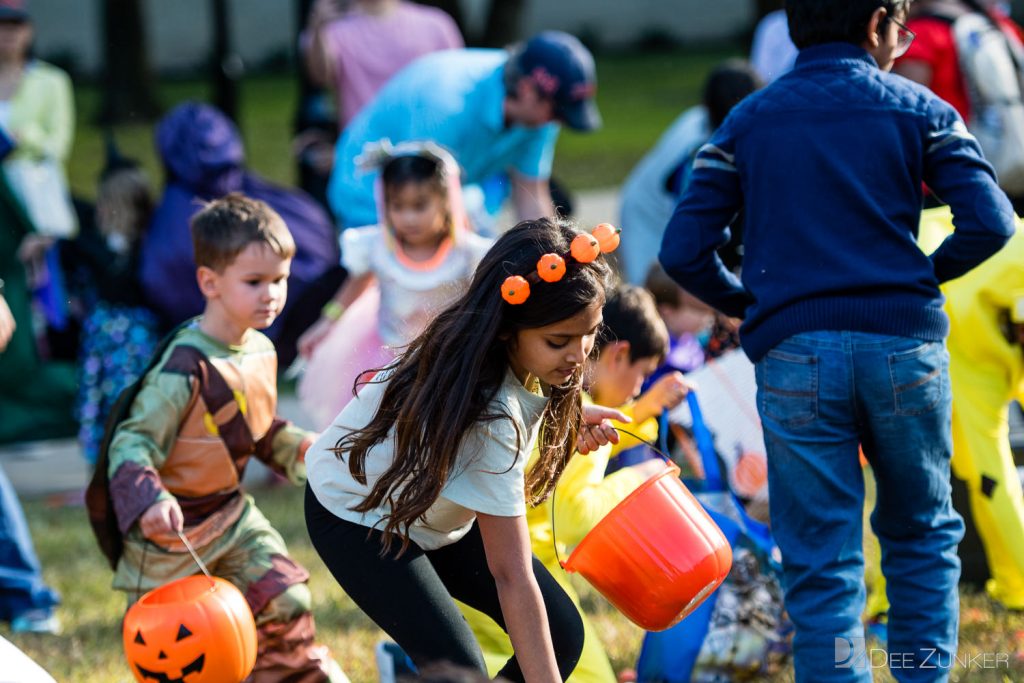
(843, 318)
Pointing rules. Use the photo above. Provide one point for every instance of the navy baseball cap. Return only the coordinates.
(563, 70)
(13, 10)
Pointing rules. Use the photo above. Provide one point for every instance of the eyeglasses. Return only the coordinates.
(903, 39)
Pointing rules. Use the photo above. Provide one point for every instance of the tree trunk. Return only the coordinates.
(225, 66)
(504, 22)
(128, 86)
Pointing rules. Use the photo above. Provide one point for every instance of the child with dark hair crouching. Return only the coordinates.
(176, 460)
(418, 491)
(843, 318)
(632, 343)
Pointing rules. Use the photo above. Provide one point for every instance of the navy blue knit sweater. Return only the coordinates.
(828, 162)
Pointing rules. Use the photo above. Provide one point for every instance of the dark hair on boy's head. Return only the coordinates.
(813, 22)
(630, 315)
(663, 288)
(443, 383)
(413, 168)
(728, 83)
(226, 226)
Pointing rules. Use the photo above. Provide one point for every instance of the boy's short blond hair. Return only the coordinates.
(226, 226)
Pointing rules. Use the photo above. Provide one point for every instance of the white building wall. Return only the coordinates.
(180, 30)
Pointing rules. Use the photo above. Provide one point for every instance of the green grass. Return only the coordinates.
(89, 651)
(639, 95)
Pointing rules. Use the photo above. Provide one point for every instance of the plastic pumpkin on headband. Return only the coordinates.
(607, 236)
(194, 630)
(585, 248)
(551, 267)
(515, 289)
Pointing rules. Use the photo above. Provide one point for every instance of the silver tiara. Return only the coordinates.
(377, 154)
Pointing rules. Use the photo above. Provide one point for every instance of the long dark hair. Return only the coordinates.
(444, 382)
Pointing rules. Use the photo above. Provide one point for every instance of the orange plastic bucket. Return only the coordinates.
(198, 629)
(657, 555)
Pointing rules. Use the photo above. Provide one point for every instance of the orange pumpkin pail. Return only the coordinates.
(657, 555)
(197, 629)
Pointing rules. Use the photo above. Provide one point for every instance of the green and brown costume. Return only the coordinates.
(198, 417)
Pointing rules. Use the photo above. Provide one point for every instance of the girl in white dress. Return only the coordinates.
(401, 273)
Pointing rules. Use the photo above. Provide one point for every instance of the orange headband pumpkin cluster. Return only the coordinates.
(603, 239)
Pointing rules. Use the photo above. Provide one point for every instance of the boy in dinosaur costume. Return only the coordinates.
(175, 461)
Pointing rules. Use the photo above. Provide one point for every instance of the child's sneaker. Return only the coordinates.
(392, 662)
(877, 630)
(36, 621)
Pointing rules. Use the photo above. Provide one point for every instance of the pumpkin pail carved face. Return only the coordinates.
(193, 630)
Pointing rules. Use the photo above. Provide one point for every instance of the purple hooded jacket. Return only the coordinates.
(202, 153)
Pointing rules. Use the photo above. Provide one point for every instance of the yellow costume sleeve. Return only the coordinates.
(584, 495)
(646, 430)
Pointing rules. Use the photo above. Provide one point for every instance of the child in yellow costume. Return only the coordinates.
(633, 343)
(986, 370)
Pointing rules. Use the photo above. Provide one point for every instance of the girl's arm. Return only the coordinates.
(507, 546)
(352, 289)
(531, 197)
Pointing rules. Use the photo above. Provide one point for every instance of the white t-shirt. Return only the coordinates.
(489, 475)
(410, 299)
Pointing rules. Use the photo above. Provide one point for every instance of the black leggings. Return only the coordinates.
(411, 597)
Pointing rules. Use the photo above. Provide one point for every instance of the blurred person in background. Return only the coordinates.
(204, 159)
(961, 72)
(119, 332)
(496, 111)
(355, 46)
(36, 125)
(25, 600)
(351, 48)
(653, 187)
(772, 52)
(932, 58)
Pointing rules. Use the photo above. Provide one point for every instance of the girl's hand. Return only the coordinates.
(161, 518)
(314, 336)
(597, 430)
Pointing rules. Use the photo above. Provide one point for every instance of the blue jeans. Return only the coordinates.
(820, 395)
(21, 581)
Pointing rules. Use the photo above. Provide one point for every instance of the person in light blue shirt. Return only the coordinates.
(498, 112)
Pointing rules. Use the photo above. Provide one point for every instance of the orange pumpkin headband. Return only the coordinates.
(603, 239)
